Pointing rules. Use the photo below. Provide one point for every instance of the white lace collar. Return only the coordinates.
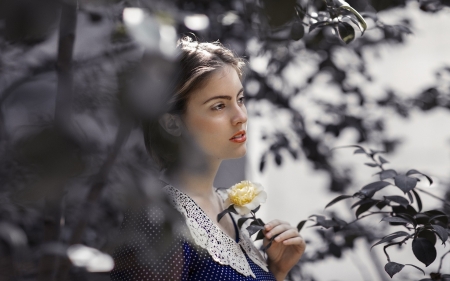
(206, 234)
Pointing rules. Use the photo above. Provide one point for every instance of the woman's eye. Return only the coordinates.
(242, 100)
(218, 107)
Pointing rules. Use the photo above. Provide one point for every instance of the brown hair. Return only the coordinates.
(197, 60)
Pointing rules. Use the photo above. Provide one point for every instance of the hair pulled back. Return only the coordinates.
(197, 62)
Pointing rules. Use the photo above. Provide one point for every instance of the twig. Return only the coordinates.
(434, 196)
(394, 243)
(442, 259)
(372, 213)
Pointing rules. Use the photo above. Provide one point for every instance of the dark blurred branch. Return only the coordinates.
(96, 189)
(64, 65)
(68, 22)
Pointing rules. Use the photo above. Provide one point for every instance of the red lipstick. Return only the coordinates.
(239, 137)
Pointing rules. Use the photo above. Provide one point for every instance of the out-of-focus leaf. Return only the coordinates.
(345, 6)
(259, 236)
(370, 189)
(278, 158)
(12, 235)
(396, 220)
(405, 183)
(390, 237)
(371, 164)
(226, 211)
(441, 232)
(335, 250)
(393, 268)
(278, 12)
(364, 207)
(359, 151)
(297, 31)
(418, 200)
(253, 228)
(346, 32)
(387, 174)
(337, 199)
(300, 225)
(320, 24)
(398, 199)
(412, 172)
(382, 160)
(424, 251)
(241, 221)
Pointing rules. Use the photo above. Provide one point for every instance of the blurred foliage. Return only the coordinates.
(74, 78)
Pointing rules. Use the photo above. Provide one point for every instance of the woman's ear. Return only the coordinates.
(171, 124)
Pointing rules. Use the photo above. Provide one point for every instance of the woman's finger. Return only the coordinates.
(278, 229)
(287, 234)
(270, 225)
(295, 241)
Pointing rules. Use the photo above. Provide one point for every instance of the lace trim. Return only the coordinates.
(222, 248)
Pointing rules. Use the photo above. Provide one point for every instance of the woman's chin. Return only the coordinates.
(238, 154)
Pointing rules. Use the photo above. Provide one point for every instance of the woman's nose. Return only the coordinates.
(239, 115)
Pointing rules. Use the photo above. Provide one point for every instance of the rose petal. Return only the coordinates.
(242, 210)
(261, 197)
(252, 205)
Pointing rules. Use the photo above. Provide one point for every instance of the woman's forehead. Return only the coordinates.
(224, 80)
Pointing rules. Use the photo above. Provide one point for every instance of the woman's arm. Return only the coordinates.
(286, 249)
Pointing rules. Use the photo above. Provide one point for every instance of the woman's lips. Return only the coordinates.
(239, 137)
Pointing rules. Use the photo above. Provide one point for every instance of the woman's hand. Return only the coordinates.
(286, 249)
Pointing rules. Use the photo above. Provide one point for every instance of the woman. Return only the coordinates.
(206, 124)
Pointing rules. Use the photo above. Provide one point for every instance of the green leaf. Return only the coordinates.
(424, 251)
(346, 32)
(393, 268)
(370, 189)
(361, 20)
(297, 32)
(300, 225)
(337, 199)
(382, 160)
(441, 232)
(405, 183)
(259, 236)
(256, 209)
(252, 229)
(387, 174)
(396, 220)
(241, 221)
(412, 172)
(398, 199)
(390, 237)
(418, 200)
(359, 151)
(429, 235)
(365, 207)
(226, 211)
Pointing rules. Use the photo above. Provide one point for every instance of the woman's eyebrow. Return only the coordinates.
(223, 97)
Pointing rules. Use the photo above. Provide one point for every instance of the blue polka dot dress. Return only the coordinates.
(195, 250)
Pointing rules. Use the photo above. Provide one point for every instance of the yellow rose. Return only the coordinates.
(245, 196)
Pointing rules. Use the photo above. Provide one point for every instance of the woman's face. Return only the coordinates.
(216, 113)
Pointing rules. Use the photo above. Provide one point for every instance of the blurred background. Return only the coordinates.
(76, 76)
